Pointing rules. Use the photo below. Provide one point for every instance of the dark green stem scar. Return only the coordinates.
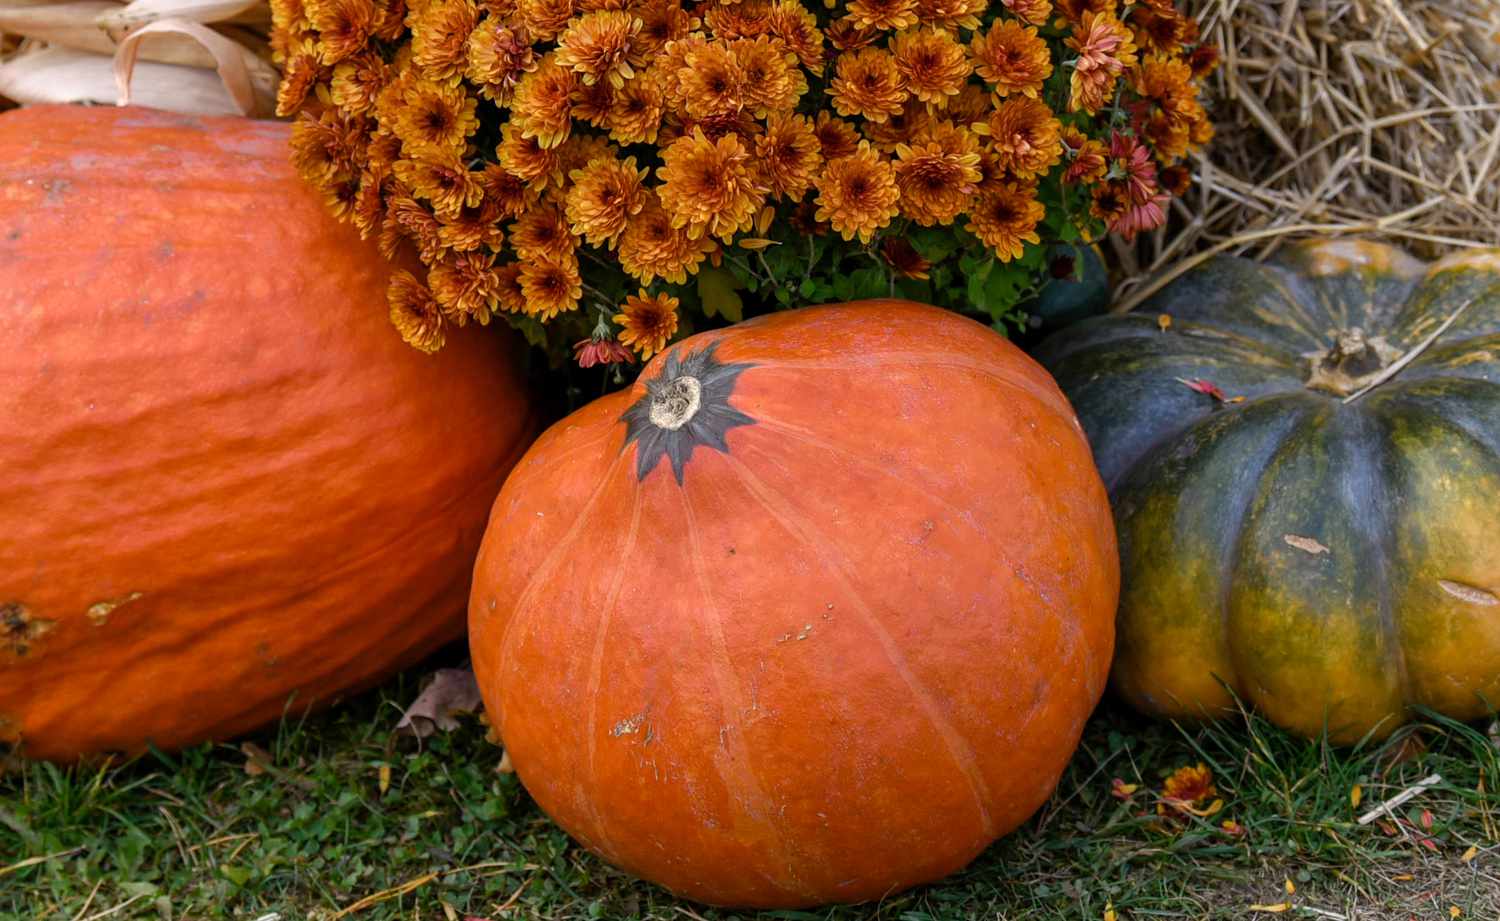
(685, 406)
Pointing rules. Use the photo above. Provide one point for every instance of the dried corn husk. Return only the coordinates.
(140, 12)
(75, 25)
(48, 75)
(87, 51)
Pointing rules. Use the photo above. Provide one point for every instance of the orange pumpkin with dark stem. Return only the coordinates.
(811, 613)
(229, 489)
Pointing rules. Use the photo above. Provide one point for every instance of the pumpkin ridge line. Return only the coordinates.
(731, 702)
(535, 581)
(1236, 527)
(596, 664)
(1383, 542)
(1287, 282)
(964, 757)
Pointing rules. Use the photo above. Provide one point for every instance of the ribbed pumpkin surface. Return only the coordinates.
(812, 613)
(1327, 544)
(228, 487)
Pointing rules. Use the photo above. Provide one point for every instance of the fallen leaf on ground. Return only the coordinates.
(1273, 909)
(452, 691)
(1470, 854)
(257, 759)
(1356, 793)
(1119, 789)
(385, 778)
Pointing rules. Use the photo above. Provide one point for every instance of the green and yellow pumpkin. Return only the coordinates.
(1304, 461)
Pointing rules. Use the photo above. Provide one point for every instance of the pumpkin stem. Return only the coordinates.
(1350, 363)
(677, 402)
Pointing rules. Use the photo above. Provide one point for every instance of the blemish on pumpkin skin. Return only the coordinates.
(98, 614)
(20, 629)
(1470, 593)
(263, 652)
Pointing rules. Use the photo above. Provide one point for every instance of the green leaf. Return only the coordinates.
(716, 287)
(529, 327)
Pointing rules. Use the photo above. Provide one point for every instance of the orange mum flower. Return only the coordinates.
(544, 19)
(899, 128)
(868, 84)
(543, 233)
(508, 194)
(748, 19)
(1168, 107)
(937, 175)
(369, 205)
(390, 19)
(634, 115)
(440, 36)
(836, 137)
(341, 195)
(773, 83)
(857, 194)
(708, 186)
(1025, 136)
(302, 72)
(601, 47)
(1159, 31)
(526, 159)
(789, 155)
(582, 149)
(903, 258)
(472, 227)
(465, 286)
(972, 104)
(357, 82)
(321, 147)
(1005, 219)
(409, 219)
(443, 180)
(344, 27)
(543, 102)
(414, 312)
(798, 28)
(950, 14)
(508, 294)
(1086, 157)
(604, 194)
(882, 14)
(1012, 58)
(1073, 10)
(550, 287)
(647, 322)
(932, 62)
(1176, 179)
(652, 248)
(436, 119)
(498, 55)
(1186, 788)
(1033, 11)
(662, 21)
(711, 81)
(592, 102)
(1104, 49)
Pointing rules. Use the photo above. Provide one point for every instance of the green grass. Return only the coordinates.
(193, 835)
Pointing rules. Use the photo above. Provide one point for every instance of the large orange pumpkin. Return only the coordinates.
(811, 613)
(228, 486)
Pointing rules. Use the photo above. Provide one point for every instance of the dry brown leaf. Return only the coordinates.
(452, 691)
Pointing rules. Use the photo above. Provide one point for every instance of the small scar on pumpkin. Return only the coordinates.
(20, 629)
(98, 614)
(1470, 593)
(1306, 544)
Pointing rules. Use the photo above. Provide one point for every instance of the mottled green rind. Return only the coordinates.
(1332, 564)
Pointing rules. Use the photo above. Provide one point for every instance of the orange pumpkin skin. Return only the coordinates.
(230, 490)
(855, 643)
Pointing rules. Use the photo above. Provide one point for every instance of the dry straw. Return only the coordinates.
(1375, 117)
